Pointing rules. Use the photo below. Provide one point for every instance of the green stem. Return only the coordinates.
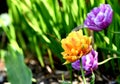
(82, 71)
(93, 78)
(78, 27)
(63, 77)
(100, 63)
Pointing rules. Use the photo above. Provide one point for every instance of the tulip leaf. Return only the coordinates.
(17, 71)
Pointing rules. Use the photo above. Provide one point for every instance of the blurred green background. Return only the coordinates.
(34, 29)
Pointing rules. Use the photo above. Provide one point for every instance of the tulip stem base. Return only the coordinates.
(82, 72)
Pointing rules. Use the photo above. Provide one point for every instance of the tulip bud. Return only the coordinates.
(99, 18)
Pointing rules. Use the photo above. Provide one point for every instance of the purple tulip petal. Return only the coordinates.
(89, 62)
(76, 65)
(99, 18)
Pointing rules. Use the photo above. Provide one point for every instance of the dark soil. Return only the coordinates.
(47, 75)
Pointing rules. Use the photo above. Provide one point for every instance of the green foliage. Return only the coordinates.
(17, 71)
(38, 26)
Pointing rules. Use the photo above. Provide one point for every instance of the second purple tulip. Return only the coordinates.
(89, 62)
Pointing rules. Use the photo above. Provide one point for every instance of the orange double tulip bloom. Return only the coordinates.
(75, 45)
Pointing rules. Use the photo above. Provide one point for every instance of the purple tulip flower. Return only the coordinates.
(89, 62)
(99, 18)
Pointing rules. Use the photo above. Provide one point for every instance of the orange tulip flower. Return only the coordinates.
(75, 45)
